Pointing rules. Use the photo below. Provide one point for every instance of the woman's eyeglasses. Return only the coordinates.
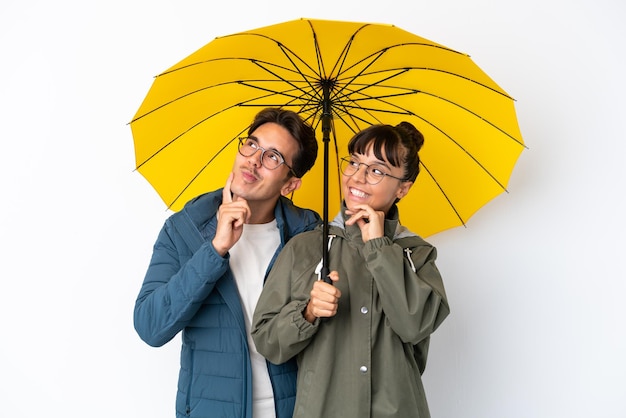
(374, 173)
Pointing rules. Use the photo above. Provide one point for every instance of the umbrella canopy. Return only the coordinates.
(341, 77)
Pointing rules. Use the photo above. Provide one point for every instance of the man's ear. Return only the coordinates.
(292, 184)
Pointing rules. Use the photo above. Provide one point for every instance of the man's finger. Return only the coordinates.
(227, 196)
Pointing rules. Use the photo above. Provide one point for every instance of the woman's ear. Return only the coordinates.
(403, 189)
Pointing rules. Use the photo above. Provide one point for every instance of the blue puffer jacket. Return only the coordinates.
(189, 287)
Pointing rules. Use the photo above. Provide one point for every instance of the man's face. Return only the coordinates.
(254, 182)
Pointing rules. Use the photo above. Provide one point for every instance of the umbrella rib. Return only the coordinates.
(203, 168)
(318, 52)
(288, 53)
(256, 62)
(198, 174)
(485, 170)
(398, 72)
(312, 93)
(343, 56)
(177, 137)
(403, 111)
(445, 195)
(408, 112)
(244, 103)
(376, 55)
(280, 45)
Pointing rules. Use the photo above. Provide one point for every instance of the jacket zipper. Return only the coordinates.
(188, 400)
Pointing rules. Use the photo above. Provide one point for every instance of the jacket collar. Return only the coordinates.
(290, 219)
(393, 229)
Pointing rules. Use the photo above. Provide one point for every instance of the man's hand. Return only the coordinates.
(231, 216)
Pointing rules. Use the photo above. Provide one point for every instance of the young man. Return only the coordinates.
(208, 268)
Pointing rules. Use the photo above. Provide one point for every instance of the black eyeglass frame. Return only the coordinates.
(244, 139)
(347, 162)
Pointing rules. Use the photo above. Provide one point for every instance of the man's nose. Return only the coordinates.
(257, 157)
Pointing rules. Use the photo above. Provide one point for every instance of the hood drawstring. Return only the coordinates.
(318, 269)
(408, 252)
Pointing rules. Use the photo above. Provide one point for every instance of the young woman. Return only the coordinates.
(365, 358)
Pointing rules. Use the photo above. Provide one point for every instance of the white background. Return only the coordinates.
(535, 281)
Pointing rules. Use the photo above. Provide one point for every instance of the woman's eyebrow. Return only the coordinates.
(376, 161)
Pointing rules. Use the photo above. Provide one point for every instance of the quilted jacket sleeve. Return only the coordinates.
(178, 280)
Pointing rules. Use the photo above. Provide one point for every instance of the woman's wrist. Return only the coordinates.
(307, 314)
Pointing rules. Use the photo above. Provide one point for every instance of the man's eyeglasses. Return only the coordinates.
(374, 173)
(271, 159)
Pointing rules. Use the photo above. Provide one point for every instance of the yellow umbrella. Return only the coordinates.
(341, 77)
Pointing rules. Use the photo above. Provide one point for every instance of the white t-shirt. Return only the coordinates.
(249, 259)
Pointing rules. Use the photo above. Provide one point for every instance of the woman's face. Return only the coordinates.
(380, 196)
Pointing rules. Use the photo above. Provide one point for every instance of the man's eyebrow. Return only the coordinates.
(268, 148)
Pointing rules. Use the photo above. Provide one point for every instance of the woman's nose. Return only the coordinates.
(360, 175)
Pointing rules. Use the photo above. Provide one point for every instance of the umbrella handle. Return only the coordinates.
(326, 275)
(326, 127)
